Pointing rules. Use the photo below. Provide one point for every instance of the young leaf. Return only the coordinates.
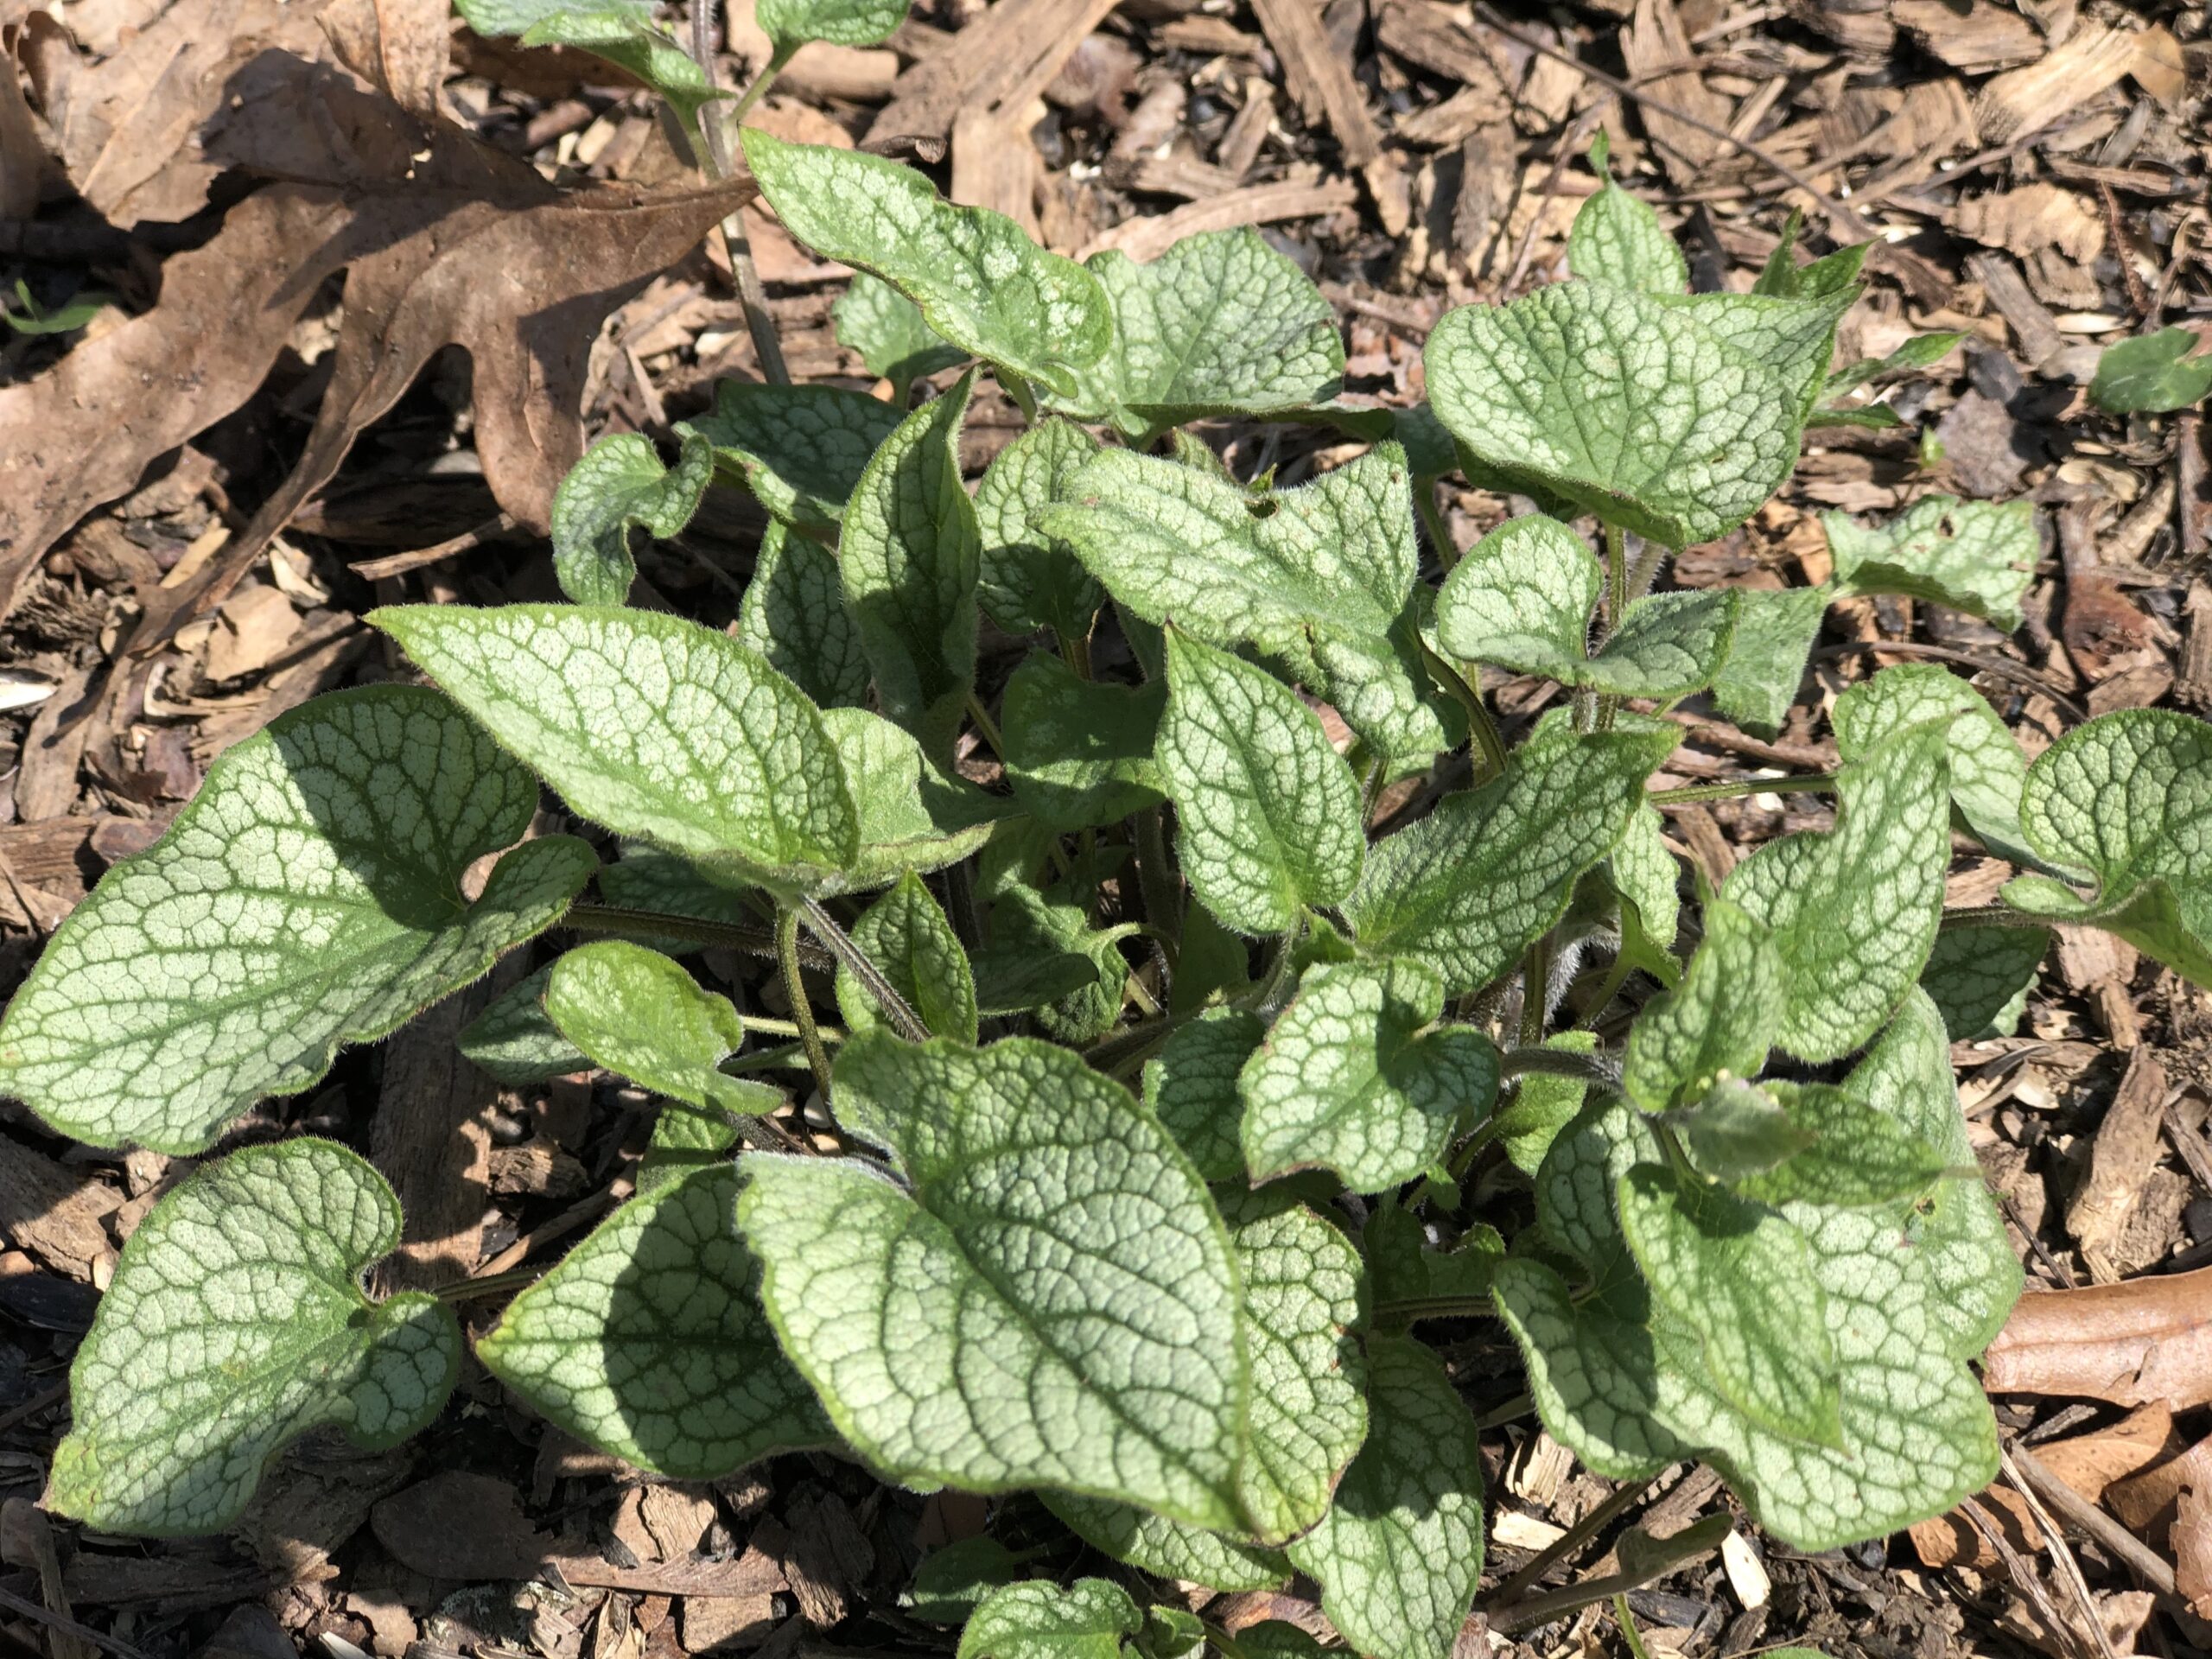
(647, 1340)
(1049, 1235)
(1078, 751)
(1989, 772)
(950, 1581)
(309, 896)
(515, 1043)
(1856, 1155)
(886, 327)
(1352, 1078)
(1398, 1555)
(1324, 578)
(912, 816)
(1976, 557)
(980, 282)
(1646, 876)
(793, 614)
(1617, 238)
(621, 483)
(801, 449)
(1035, 1619)
(1719, 1023)
(1521, 599)
(236, 1323)
(1758, 679)
(1169, 1550)
(1044, 957)
(639, 1014)
(1736, 1130)
(1979, 977)
(906, 934)
(789, 24)
(621, 31)
(1220, 324)
(1793, 338)
(1543, 1103)
(1470, 886)
(909, 549)
(1029, 580)
(656, 727)
(1190, 1087)
(1854, 911)
(1404, 1267)
(1628, 407)
(1268, 812)
(1741, 1276)
(1302, 1303)
(2153, 373)
(2128, 799)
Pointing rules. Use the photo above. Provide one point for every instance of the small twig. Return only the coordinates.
(67, 1626)
(2085, 1517)
(35, 1404)
(2024, 1579)
(1739, 786)
(744, 273)
(1532, 1571)
(1839, 215)
(2069, 1568)
(1998, 665)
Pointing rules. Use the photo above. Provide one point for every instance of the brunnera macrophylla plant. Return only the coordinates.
(1177, 1094)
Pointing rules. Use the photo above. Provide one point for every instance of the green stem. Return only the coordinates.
(1535, 986)
(614, 921)
(775, 1027)
(1595, 1070)
(1407, 1309)
(810, 1035)
(1075, 651)
(1608, 988)
(491, 1284)
(823, 926)
(1990, 916)
(1489, 744)
(1157, 883)
(1432, 520)
(1738, 787)
(986, 727)
(776, 65)
(1532, 1572)
(1621, 1615)
(1616, 608)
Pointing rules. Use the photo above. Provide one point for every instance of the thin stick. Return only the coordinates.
(1157, 884)
(67, 1626)
(1739, 786)
(1837, 213)
(2069, 1568)
(743, 271)
(2093, 1523)
(1532, 1572)
(818, 1056)
(1997, 665)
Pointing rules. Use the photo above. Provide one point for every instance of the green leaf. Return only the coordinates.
(1646, 876)
(1741, 1276)
(1045, 956)
(622, 33)
(1171, 1633)
(1921, 352)
(1169, 1550)
(1979, 977)
(1352, 1077)
(1047, 1234)
(1617, 238)
(906, 935)
(1765, 664)
(800, 449)
(1398, 1555)
(1035, 1619)
(514, 1040)
(637, 1013)
(789, 24)
(1267, 812)
(1736, 1130)
(1718, 1022)
(1221, 324)
(1630, 408)
(980, 283)
(656, 727)
(1794, 339)
(1302, 1302)
(647, 1340)
(2153, 373)
(1078, 753)
(2128, 799)
(236, 1323)
(1989, 772)
(950, 1581)
(1402, 1266)
(1029, 580)
(912, 816)
(309, 896)
(793, 614)
(1854, 911)
(621, 483)
(1542, 1104)
(1857, 1155)
(1323, 579)
(646, 878)
(909, 550)
(1214, 962)
(1190, 1087)
(1976, 557)
(886, 327)
(1472, 885)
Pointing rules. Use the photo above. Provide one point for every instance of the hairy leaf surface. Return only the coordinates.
(1718, 1021)
(1190, 1087)
(236, 1323)
(886, 327)
(640, 1015)
(1078, 751)
(1976, 557)
(1046, 1299)
(791, 23)
(1758, 679)
(621, 483)
(647, 1340)
(793, 614)
(1030, 580)
(309, 896)
(906, 935)
(1617, 238)
(979, 281)
(1989, 772)
(1038, 1619)
(800, 449)
(515, 1042)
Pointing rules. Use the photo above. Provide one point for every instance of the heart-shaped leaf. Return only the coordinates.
(1976, 557)
(620, 483)
(906, 935)
(637, 1013)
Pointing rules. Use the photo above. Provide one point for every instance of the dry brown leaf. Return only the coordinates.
(2090, 1462)
(23, 160)
(2147, 1339)
(2191, 1541)
(254, 627)
(2144, 1501)
(399, 46)
(1952, 1540)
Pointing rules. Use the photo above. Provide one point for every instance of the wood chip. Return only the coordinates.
(1746, 1574)
(2125, 1150)
(1002, 59)
(1320, 78)
(1980, 37)
(1144, 239)
(1653, 43)
(52, 1211)
(2024, 101)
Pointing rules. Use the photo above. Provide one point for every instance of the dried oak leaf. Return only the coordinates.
(2133, 1343)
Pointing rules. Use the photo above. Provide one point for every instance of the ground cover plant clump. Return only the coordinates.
(1192, 1076)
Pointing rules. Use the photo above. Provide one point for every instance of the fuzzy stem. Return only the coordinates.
(1738, 787)
(823, 926)
(810, 1035)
